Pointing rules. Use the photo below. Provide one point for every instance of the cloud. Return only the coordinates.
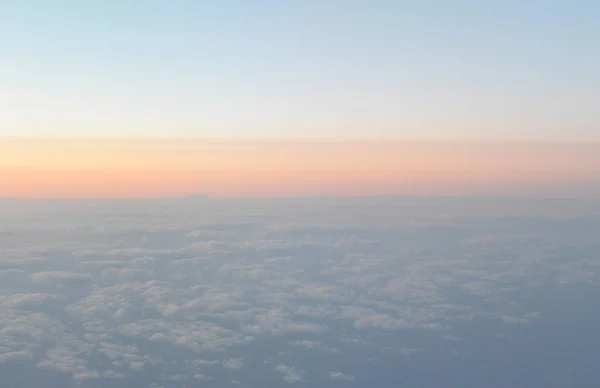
(33, 301)
(20, 355)
(71, 357)
(204, 362)
(290, 373)
(340, 376)
(279, 322)
(202, 287)
(175, 377)
(12, 276)
(111, 374)
(60, 278)
(451, 337)
(125, 355)
(86, 375)
(124, 275)
(308, 344)
(234, 363)
(527, 318)
(195, 335)
(326, 292)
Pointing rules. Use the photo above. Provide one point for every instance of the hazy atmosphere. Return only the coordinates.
(383, 194)
(174, 168)
(381, 292)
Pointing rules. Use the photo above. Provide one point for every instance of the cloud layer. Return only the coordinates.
(189, 291)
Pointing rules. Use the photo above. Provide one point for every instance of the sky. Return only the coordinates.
(266, 70)
(75, 168)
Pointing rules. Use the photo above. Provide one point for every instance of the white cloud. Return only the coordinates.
(204, 362)
(20, 355)
(527, 318)
(311, 344)
(111, 374)
(60, 278)
(234, 363)
(326, 292)
(175, 377)
(221, 278)
(195, 335)
(290, 373)
(31, 301)
(341, 376)
(278, 322)
(144, 262)
(451, 337)
(71, 357)
(125, 355)
(86, 375)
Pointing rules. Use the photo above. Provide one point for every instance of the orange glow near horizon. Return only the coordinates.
(166, 168)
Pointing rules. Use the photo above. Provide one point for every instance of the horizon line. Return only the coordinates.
(318, 196)
(308, 140)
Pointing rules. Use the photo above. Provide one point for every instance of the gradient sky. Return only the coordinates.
(313, 68)
(299, 98)
(64, 168)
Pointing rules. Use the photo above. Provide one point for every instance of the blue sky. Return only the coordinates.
(340, 69)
